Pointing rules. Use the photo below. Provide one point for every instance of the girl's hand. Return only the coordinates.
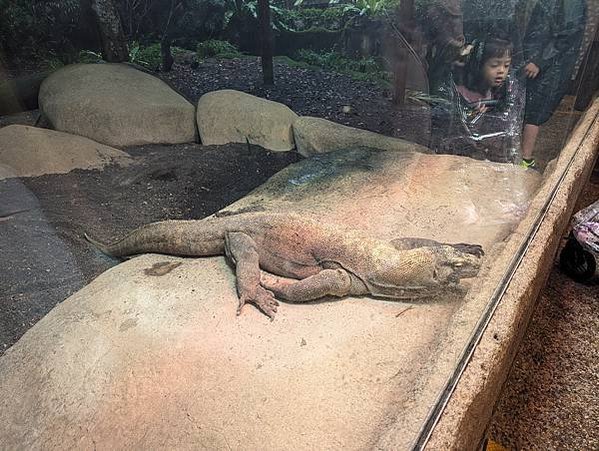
(481, 108)
(531, 70)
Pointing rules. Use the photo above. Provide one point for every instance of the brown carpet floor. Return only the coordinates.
(551, 399)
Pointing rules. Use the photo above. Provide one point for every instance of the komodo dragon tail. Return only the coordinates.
(102, 247)
(184, 238)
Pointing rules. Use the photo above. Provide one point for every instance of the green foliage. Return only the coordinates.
(37, 27)
(149, 56)
(338, 62)
(190, 19)
(52, 62)
(369, 8)
(88, 57)
(362, 69)
(248, 9)
(364, 7)
(282, 59)
(333, 18)
(213, 47)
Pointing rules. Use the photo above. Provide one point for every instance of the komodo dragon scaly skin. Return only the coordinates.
(299, 259)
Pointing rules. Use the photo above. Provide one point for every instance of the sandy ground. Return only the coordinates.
(551, 399)
(42, 219)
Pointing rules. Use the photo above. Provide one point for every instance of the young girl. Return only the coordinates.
(484, 106)
(485, 74)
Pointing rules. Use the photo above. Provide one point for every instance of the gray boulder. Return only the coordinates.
(231, 116)
(116, 104)
(32, 151)
(314, 135)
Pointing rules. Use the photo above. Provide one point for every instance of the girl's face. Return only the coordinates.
(495, 70)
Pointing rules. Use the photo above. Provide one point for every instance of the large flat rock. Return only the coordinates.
(229, 116)
(151, 355)
(32, 151)
(314, 135)
(116, 104)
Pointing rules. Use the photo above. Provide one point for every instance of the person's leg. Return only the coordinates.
(529, 138)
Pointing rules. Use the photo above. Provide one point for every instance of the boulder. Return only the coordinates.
(32, 151)
(314, 135)
(20, 94)
(116, 104)
(151, 354)
(231, 116)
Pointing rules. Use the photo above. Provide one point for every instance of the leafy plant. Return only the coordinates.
(369, 8)
(362, 7)
(149, 56)
(213, 47)
(34, 28)
(362, 69)
(134, 52)
(88, 57)
(333, 18)
(337, 61)
(250, 8)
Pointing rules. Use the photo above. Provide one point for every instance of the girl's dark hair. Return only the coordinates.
(484, 50)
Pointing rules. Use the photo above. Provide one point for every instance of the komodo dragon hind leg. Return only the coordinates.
(328, 282)
(241, 250)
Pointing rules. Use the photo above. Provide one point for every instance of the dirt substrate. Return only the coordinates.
(308, 92)
(42, 219)
(551, 399)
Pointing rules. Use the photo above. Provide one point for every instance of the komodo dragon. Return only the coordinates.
(298, 259)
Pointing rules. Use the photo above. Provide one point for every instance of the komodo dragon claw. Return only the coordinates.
(263, 299)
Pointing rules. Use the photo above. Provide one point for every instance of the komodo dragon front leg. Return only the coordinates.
(328, 282)
(241, 250)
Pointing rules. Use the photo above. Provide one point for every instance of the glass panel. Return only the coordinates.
(402, 144)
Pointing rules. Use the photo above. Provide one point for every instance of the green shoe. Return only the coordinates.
(528, 163)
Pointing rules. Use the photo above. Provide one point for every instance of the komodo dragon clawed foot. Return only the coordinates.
(263, 299)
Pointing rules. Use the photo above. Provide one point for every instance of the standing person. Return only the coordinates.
(551, 45)
(443, 21)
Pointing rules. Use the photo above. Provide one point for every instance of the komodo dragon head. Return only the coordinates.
(425, 271)
(456, 262)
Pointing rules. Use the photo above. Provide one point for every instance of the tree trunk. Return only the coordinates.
(165, 50)
(114, 43)
(406, 19)
(266, 44)
(166, 40)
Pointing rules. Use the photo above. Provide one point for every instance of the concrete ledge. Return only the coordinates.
(468, 412)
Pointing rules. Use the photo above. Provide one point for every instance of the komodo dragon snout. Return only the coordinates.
(455, 262)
